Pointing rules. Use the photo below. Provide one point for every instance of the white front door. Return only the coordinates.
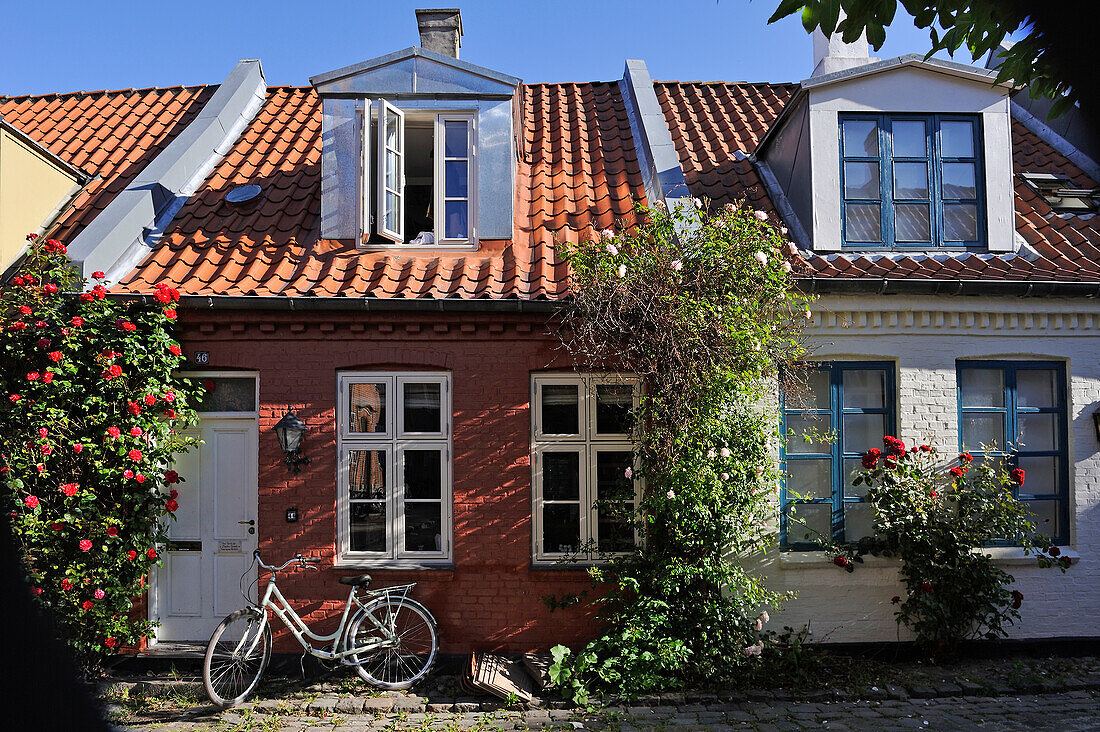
(208, 560)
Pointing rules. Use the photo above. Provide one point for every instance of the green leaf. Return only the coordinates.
(810, 16)
(786, 7)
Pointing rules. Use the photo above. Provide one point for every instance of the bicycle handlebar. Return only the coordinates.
(303, 562)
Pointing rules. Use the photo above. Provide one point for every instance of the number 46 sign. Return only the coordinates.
(202, 357)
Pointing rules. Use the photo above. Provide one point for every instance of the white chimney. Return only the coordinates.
(832, 54)
(440, 30)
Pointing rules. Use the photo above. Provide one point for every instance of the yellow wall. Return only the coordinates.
(31, 187)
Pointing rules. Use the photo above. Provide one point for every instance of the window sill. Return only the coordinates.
(1014, 555)
(395, 564)
(419, 248)
(550, 565)
(1003, 555)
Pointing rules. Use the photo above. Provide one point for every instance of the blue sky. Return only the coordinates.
(65, 45)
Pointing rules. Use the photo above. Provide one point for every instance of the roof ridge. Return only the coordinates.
(728, 83)
(105, 92)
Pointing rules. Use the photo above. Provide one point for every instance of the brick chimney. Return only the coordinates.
(440, 30)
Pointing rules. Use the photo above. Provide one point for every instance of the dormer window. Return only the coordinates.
(911, 181)
(423, 180)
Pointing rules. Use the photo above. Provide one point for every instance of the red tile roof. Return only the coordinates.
(578, 173)
(715, 125)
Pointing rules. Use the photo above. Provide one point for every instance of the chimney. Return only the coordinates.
(440, 30)
(832, 54)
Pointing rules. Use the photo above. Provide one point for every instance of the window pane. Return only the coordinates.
(861, 138)
(611, 481)
(225, 394)
(809, 522)
(456, 218)
(807, 433)
(817, 383)
(367, 474)
(561, 409)
(454, 139)
(561, 476)
(423, 527)
(615, 524)
(1037, 432)
(982, 387)
(1036, 388)
(863, 431)
(391, 211)
(960, 222)
(862, 222)
(912, 222)
(959, 180)
(1046, 516)
(391, 130)
(861, 181)
(852, 468)
(911, 180)
(957, 139)
(909, 138)
(455, 172)
(859, 521)
(423, 474)
(613, 405)
(561, 528)
(809, 478)
(368, 407)
(983, 431)
(423, 408)
(1040, 475)
(368, 527)
(864, 389)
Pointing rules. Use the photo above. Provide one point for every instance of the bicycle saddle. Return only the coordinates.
(359, 580)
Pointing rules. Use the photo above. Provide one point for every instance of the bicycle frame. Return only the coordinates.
(273, 600)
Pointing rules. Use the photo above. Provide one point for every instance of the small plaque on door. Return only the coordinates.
(229, 545)
(185, 546)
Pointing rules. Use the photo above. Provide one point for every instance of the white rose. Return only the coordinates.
(724, 452)
(671, 495)
(762, 215)
(786, 266)
(677, 265)
(622, 273)
(607, 234)
(761, 257)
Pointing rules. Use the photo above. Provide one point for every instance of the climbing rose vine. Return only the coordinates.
(91, 411)
(700, 303)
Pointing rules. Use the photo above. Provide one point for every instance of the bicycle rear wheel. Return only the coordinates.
(236, 657)
(414, 637)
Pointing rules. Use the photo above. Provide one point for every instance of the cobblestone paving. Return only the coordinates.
(1075, 711)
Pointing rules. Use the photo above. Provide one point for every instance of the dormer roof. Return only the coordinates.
(415, 71)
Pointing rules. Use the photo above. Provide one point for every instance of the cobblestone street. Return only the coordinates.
(1067, 712)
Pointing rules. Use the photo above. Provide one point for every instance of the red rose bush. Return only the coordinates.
(91, 422)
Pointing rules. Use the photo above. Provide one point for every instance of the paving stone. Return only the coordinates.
(919, 691)
(349, 705)
(944, 688)
(970, 688)
(322, 704)
(378, 705)
(440, 706)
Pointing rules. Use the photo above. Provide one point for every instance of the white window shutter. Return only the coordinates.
(341, 155)
(390, 211)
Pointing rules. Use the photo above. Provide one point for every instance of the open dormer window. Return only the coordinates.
(423, 178)
(911, 181)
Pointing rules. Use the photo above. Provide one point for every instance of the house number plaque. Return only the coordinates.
(202, 357)
(229, 545)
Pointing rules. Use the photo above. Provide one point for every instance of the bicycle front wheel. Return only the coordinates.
(236, 657)
(411, 643)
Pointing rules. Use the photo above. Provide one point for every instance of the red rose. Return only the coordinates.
(162, 295)
(47, 378)
(77, 321)
(1017, 476)
(175, 494)
(131, 555)
(127, 474)
(932, 494)
(895, 600)
(40, 468)
(46, 449)
(152, 553)
(149, 400)
(841, 561)
(78, 448)
(18, 325)
(57, 526)
(87, 605)
(926, 587)
(54, 356)
(50, 289)
(171, 477)
(85, 545)
(135, 431)
(134, 455)
(957, 472)
(114, 431)
(112, 531)
(110, 642)
(175, 350)
(171, 506)
(169, 396)
(139, 478)
(24, 310)
(87, 297)
(37, 591)
(43, 343)
(43, 432)
(133, 408)
(31, 501)
(66, 585)
(98, 275)
(1054, 551)
(170, 413)
(13, 398)
(869, 460)
(33, 376)
(170, 313)
(70, 489)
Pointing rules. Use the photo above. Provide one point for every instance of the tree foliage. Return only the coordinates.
(90, 418)
(1049, 59)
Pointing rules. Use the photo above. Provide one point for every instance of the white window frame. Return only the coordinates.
(385, 112)
(395, 442)
(588, 444)
(372, 207)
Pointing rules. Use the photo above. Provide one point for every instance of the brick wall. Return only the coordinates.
(491, 600)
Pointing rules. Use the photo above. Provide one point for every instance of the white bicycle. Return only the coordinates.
(390, 639)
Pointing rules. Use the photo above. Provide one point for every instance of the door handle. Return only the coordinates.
(251, 522)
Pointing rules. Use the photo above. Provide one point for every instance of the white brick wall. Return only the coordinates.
(923, 337)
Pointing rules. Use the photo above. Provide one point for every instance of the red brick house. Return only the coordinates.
(376, 252)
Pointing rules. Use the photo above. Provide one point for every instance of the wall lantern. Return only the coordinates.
(1096, 423)
(290, 430)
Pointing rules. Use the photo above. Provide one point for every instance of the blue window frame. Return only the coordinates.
(846, 410)
(911, 180)
(1017, 411)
